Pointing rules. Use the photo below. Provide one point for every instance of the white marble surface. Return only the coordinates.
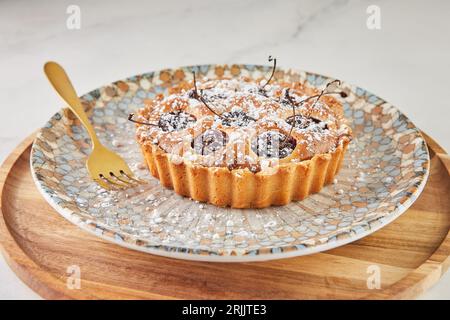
(406, 61)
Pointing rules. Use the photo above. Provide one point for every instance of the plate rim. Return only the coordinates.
(168, 251)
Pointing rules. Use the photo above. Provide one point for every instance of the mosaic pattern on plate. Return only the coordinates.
(383, 173)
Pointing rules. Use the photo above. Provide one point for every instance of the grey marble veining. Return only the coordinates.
(406, 61)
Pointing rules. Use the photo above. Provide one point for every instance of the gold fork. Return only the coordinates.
(105, 167)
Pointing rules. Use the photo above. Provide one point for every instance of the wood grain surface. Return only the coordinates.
(411, 253)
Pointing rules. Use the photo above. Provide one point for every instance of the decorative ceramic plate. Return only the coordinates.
(384, 171)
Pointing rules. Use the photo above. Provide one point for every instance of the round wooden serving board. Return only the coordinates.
(410, 254)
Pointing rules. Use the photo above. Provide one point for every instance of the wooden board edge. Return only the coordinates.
(43, 283)
(40, 281)
(427, 274)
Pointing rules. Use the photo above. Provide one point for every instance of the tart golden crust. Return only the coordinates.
(241, 145)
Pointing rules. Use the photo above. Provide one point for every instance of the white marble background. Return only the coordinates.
(406, 62)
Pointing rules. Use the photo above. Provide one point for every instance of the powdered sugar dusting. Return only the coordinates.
(228, 106)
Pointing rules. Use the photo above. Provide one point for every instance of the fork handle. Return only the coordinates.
(61, 82)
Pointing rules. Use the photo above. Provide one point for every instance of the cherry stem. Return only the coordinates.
(130, 118)
(292, 102)
(323, 91)
(341, 93)
(251, 118)
(295, 104)
(273, 71)
(200, 98)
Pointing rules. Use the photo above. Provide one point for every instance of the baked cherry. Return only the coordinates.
(236, 119)
(172, 121)
(273, 144)
(302, 122)
(209, 141)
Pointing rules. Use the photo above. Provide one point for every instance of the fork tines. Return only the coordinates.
(118, 181)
